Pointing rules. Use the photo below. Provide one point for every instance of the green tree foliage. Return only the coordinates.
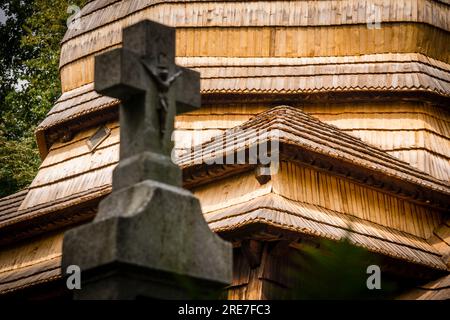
(29, 82)
(337, 271)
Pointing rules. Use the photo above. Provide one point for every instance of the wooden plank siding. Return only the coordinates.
(234, 14)
(71, 168)
(413, 132)
(267, 43)
(301, 184)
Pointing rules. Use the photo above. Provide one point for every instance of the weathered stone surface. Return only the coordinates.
(149, 238)
(146, 166)
(154, 227)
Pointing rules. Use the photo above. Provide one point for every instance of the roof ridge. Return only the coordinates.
(297, 111)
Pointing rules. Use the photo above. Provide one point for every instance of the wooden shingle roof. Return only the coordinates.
(306, 139)
(100, 12)
(440, 240)
(434, 290)
(278, 211)
(381, 73)
(10, 204)
(32, 263)
(385, 72)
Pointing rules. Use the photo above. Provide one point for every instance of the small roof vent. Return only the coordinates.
(98, 137)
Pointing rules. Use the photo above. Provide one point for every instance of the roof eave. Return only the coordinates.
(200, 174)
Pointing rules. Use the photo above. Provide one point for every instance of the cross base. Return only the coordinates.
(157, 230)
(130, 282)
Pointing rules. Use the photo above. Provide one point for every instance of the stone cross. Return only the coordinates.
(149, 238)
(153, 90)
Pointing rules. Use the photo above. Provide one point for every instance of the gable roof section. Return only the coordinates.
(308, 140)
(278, 211)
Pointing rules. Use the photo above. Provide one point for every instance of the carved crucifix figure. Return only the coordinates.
(164, 82)
(153, 90)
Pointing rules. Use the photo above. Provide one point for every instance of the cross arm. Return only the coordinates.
(187, 88)
(119, 74)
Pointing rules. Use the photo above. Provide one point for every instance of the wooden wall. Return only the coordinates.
(271, 278)
(413, 132)
(262, 29)
(305, 185)
(283, 42)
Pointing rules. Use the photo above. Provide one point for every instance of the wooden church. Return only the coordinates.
(355, 93)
